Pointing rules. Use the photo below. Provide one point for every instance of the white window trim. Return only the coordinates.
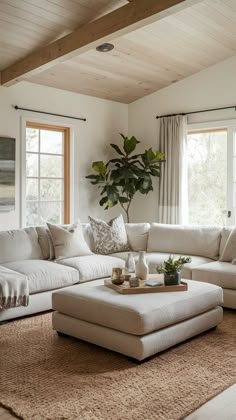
(212, 124)
(52, 121)
(230, 126)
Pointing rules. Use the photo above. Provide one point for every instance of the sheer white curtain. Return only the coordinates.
(173, 181)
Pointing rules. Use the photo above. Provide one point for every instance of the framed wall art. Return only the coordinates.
(7, 173)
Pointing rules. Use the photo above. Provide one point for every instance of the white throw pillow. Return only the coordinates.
(69, 242)
(137, 234)
(229, 251)
(109, 237)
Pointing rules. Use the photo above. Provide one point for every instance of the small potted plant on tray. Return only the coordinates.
(171, 269)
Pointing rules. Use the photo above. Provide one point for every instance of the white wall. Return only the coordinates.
(210, 88)
(105, 119)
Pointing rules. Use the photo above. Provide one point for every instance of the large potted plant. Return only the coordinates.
(171, 269)
(128, 173)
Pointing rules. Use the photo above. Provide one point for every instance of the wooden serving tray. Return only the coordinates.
(125, 289)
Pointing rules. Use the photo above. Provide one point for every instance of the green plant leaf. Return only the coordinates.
(117, 149)
(160, 156)
(99, 167)
(123, 136)
(103, 190)
(139, 172)
(130, 144)
(150, 155)
(123, 200)
(112, 194)
(155, 172)
(146, 185)
(135, 156)
(103, 201)
(92, 177)
(128, 174)
(130, 188)
(116, 160)
(109, 203)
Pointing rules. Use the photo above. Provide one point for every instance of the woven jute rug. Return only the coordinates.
(44, 376)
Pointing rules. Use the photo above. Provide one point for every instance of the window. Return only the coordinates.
(207, 152)
(47, 174)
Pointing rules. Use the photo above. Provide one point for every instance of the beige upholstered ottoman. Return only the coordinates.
(137, 325)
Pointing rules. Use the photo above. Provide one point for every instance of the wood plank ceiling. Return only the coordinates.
(26, 25)
(142, 62)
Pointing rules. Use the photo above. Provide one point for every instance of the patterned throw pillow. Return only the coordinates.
(109, 237)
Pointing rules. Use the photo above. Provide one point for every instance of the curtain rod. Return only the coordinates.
(197, 112)
(49, 113)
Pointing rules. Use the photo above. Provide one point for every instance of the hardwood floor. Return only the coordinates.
(223, 406)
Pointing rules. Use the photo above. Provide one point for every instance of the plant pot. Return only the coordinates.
(172, 279)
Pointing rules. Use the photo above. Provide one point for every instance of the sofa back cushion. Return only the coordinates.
(45, 242)
(228, 254)
(19, 244)
(88, 235)
(137, 234)
(225, 233)
(188, 240)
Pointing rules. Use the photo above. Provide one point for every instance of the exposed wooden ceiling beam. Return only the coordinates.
(130, 17)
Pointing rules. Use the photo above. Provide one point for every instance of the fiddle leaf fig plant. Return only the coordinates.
(128, 173)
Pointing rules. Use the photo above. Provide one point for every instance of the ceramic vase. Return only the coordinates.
(141, 268)
(130, 264)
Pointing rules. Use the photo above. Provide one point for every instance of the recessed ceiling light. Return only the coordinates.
(105, 47)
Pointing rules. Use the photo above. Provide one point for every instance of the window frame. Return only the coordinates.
(221, 125)
(68, 131)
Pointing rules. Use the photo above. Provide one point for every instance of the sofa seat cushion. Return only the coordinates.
(45, 275)
(92, 267)
(222, 274)
(124, 255)
(155, 258)
(137, 314)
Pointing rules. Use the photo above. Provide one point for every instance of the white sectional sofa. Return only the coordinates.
(25, 251)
